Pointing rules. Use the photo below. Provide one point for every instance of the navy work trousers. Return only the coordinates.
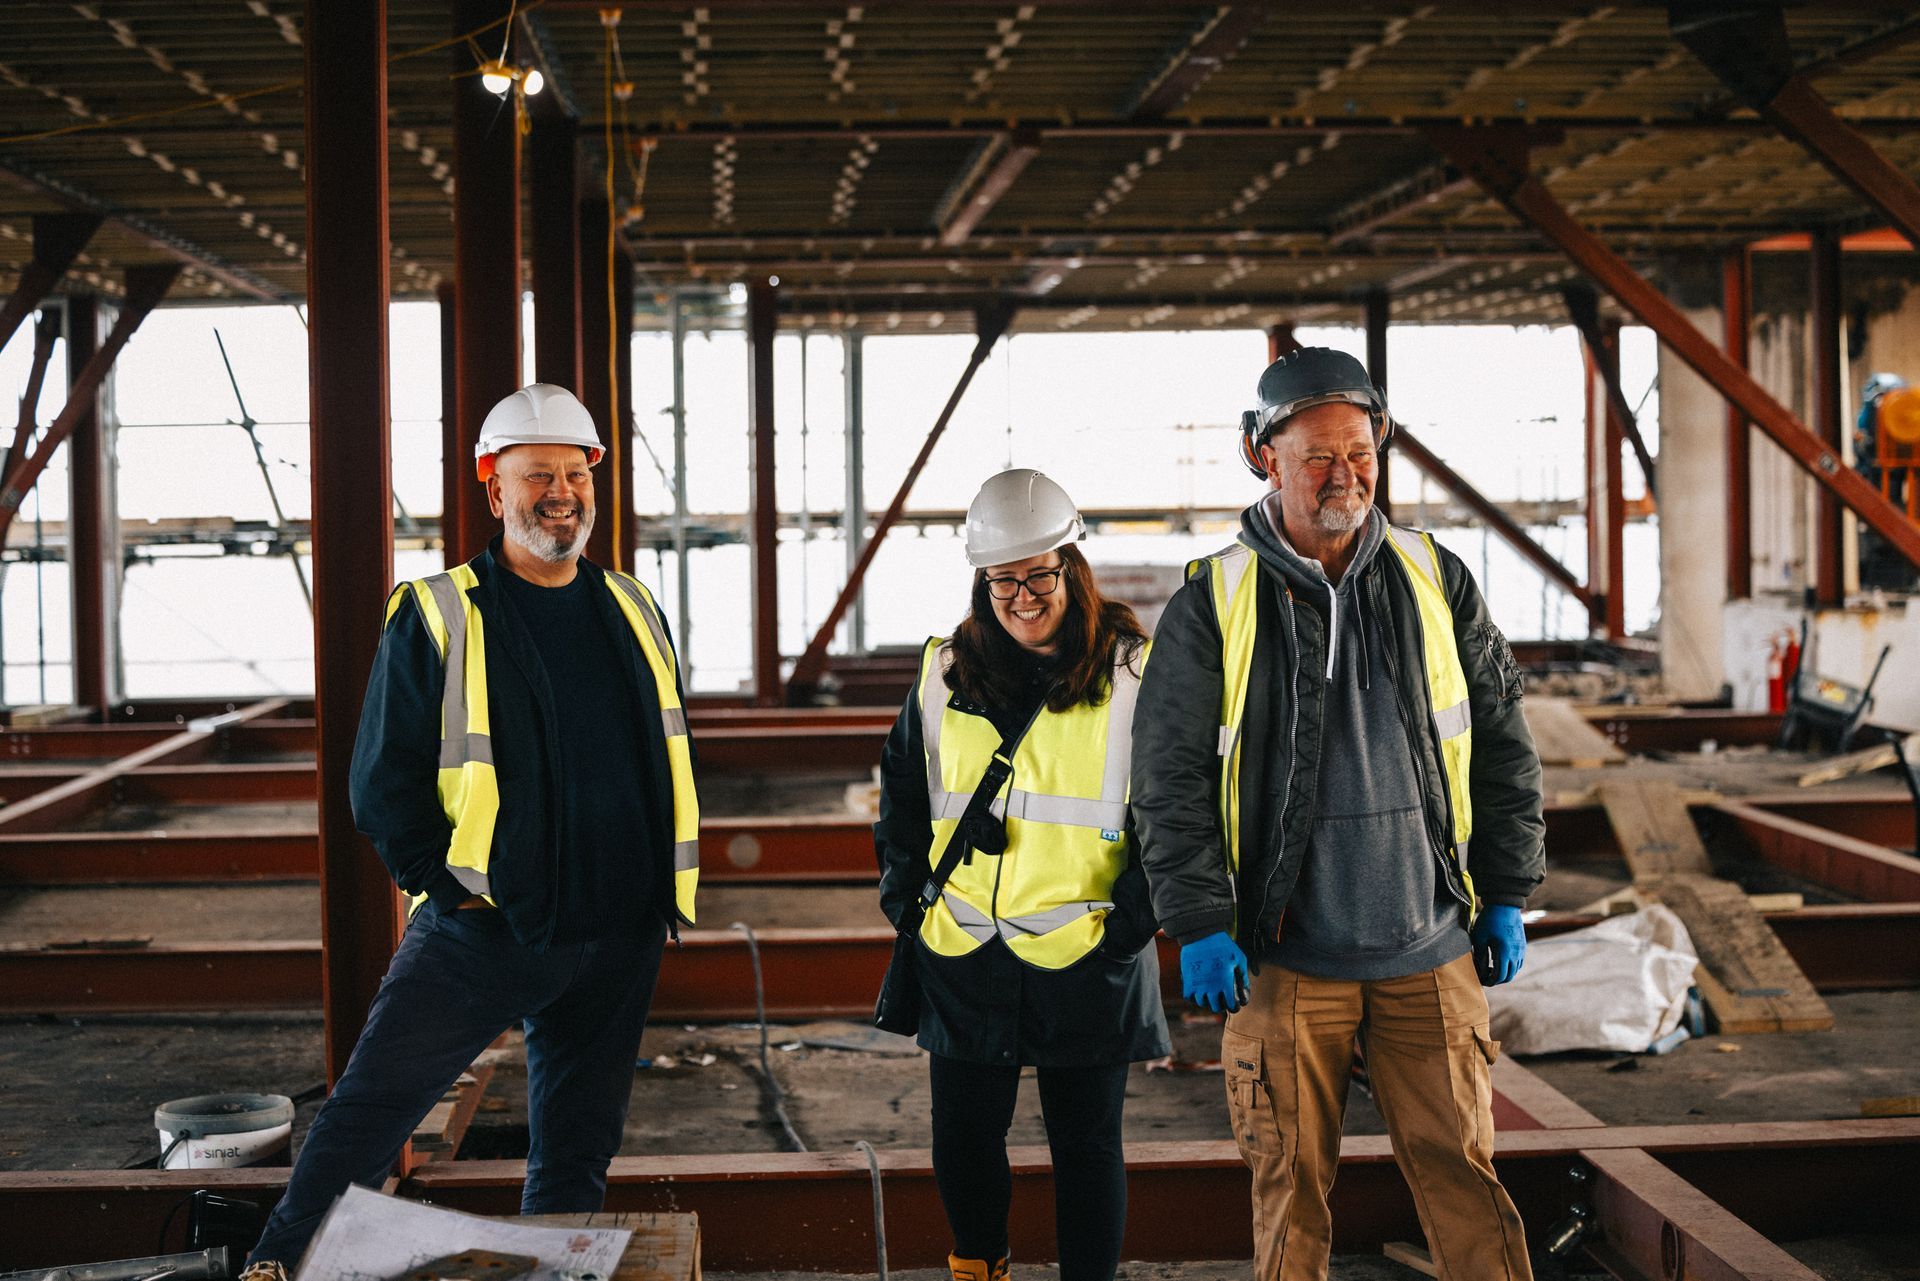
(458, 980)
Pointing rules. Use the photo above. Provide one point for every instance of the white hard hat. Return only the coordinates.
(542, 414)
(1017, 514)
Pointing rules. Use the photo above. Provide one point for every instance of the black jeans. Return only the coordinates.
(972, 1110)
(457, 981)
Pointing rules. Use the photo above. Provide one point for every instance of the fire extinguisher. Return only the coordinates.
(1783, 664)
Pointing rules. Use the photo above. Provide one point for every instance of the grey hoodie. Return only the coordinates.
(1371, 901)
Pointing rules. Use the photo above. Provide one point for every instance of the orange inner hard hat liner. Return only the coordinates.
(484, 465)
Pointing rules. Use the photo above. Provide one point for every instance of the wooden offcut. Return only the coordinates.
(1749, 981)
(1563, 736)
(1864, 761)
(665, 1247)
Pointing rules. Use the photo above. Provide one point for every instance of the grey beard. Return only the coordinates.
(1339, 520)
(524, 526)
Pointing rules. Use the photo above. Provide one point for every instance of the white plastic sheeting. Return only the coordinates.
(1619, 985)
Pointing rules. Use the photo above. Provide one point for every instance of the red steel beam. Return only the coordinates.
(809, 973)
(1824, 339)
(1687, 731)
(347, 292)
(1736, 318)
(159, 857)
(1218, 38)
(989, 324)
(1188, 1199)
(1006, 158)
(763, 322)
(1603, 344)
(57, 241)
(1655, 1223)
(146, 286)
(1497, 520)
(93, 549)
(1498, 161)
(1280, 341)
(1859, 869)
(486, 265)
(1379, 315)
(553, 201)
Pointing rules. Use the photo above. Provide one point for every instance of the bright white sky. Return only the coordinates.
(1134, 419)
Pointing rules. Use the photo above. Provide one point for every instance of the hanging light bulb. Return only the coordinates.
(534, 82)
(496, 79)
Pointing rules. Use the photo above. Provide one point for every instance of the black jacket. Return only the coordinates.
(989, 1006)
(396, 760)
(1176, 765)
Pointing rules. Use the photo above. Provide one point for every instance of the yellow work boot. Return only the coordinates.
(264, 1270)
(977, 1269)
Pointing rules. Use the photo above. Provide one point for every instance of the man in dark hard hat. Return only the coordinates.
(1329, 716)
(524, 771)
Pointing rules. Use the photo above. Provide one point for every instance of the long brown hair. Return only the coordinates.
(987, 662)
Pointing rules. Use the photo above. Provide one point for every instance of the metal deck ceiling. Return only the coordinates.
(826, 143)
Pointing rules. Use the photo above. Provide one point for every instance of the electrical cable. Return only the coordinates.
(776, 1096)
(879, 1209)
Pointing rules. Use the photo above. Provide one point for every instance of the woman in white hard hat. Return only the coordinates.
(1036, 948)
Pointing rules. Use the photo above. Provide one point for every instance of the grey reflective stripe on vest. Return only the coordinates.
(686, 856)
(672, 719)
(983, 928)
(1233, 563)
(457, 746)
(1107, 814)
(1450, 722)
(471, 881)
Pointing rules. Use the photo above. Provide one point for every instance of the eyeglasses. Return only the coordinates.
(1041, 582)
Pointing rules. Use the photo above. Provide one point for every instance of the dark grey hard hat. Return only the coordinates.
(1309, 376)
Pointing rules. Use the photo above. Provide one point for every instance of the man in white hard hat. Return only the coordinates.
(524, 771)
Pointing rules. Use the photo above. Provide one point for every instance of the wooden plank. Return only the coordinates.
(665, 1247)
(1408, 1255)
(1656, 834)
(1893, 1105)
(1749, 981)
(1864, 761)
(1564, 737)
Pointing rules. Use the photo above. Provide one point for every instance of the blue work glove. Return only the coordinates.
(1213, 973)
(1499, 944)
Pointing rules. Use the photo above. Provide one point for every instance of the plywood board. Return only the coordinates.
(1864, 761)
(1656, 834)
(1563, 736)
(1749, 981)
(665, 1247)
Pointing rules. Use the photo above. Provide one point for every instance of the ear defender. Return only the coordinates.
(1250, 443)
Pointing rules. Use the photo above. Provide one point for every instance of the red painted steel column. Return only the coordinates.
(455, 471)
(93, 549)
(598, 382)
(1599, 572)
(1736, 311)
(1823, 333)
(1613, 439)
(553, 200)
(486, 261)
(623, 437)
(1378, 314)
(347, 294)
(763, 316)
(1280, 341)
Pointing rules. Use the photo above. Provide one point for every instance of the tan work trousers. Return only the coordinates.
(1287, 1055)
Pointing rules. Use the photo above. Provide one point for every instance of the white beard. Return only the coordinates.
(523, 525)
(1340, 520)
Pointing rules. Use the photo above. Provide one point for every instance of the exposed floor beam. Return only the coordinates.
(1499, 162)
(142, 229)
(1748, 49)
(989, 176)
(1846, 864)
(57, 241)
(1206, 50)
(1396, 200)
(1583, 307)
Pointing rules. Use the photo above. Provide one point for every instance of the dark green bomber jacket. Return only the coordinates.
(1176, 765)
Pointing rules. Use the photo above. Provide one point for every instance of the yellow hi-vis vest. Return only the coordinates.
(1065, 809)
(1447, 695)
(469, 789)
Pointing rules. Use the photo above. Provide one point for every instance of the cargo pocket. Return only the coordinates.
(1249, 1096)
(1489, 1048)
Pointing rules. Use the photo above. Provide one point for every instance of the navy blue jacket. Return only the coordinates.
(396, 756)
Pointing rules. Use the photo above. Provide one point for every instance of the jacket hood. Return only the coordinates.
(1261, 529)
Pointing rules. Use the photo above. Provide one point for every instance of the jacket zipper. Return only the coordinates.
(1293, 750)
(1437, 848)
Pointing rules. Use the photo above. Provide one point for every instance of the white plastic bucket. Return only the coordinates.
(217, 1131)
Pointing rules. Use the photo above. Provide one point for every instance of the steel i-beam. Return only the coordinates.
(57, 241)
(1498, 160)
